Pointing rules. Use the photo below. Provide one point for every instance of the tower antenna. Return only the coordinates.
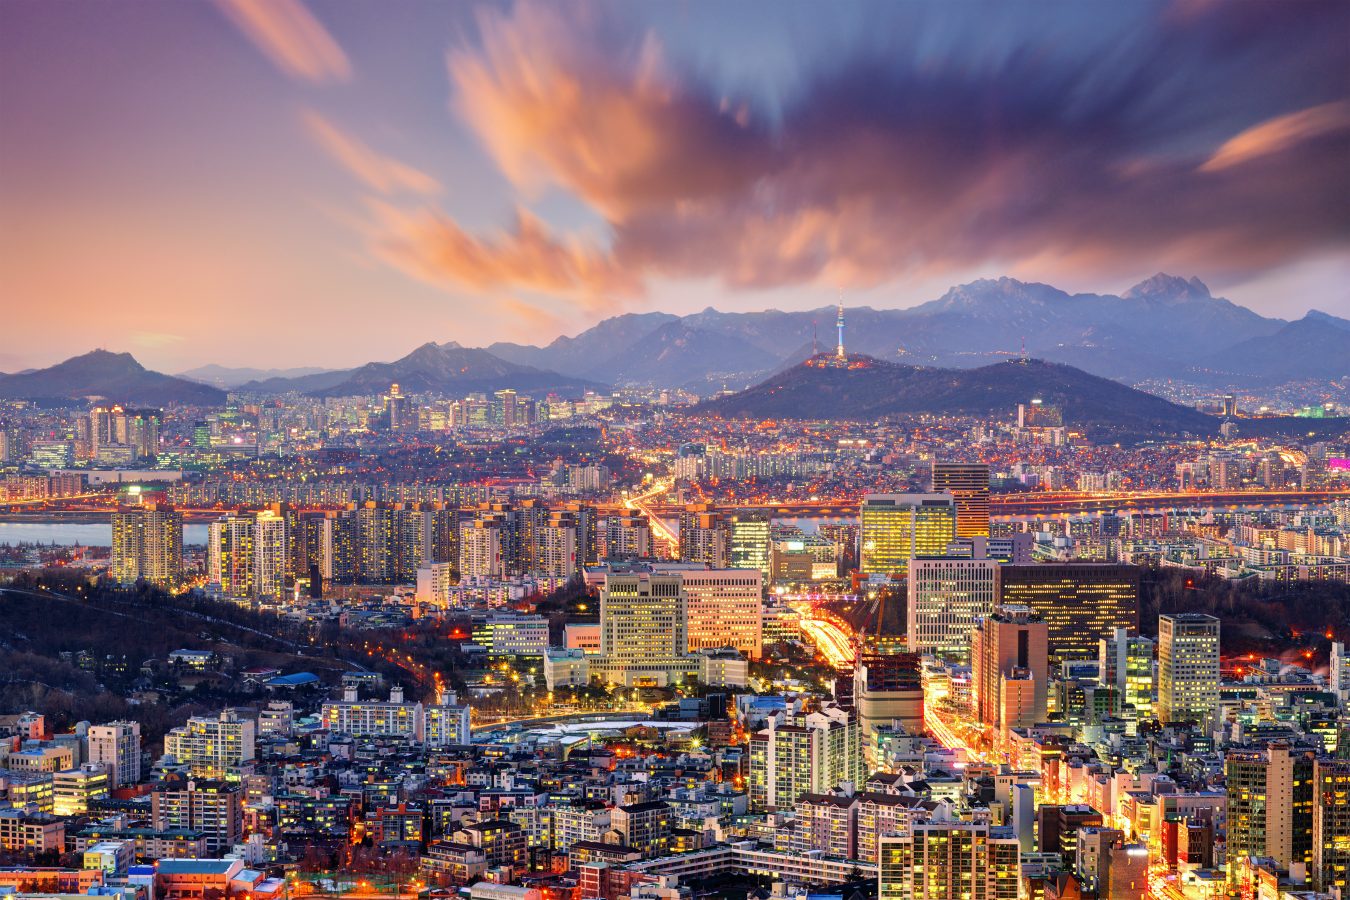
(815, 338)
(839, 325)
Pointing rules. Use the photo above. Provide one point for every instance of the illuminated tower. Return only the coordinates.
(839, 325)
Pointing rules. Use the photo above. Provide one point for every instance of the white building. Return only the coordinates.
(217, 748)
(117, 745)
(566, 668)
(1188, 667)
(947, 598)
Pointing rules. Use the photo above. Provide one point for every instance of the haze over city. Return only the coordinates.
(586, 450)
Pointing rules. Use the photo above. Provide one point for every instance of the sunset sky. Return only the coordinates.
(279, 183)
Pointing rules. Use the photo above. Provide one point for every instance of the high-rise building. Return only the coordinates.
(117, 746)
(705, 537)
(482, 545)
(947, 598)
(588, 532)
(147, 542)
(1081, 603)
(248, 555)
(1188, 667)
(898, 527)
(948, 860)
(214, 747)
(1125, 662)
(968, 483)
(212, 807)
(750, 542)
(1270, 804)
(1331, 825)
(724, 607)
(811, 754)
(644, 619)
(627, 535)
(1339, 681)
(557, 552)
(1011, 673)
(887, 688)
(377, 543)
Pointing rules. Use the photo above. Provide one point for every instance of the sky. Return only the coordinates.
(287, 183)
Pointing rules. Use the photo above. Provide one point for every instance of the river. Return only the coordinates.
(87, 534)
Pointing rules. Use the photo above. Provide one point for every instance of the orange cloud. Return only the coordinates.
(1280, 133)
(379, 172)
(288, 34)
(433, 247)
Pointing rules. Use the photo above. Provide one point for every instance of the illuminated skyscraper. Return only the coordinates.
(968, 483)
(898, 527)
(705, 537)
(1188, 667)
(1011, 672)
(1081, 603)
(1270, 804)
(1126, 664)
(750, 542)
(147, 542)
(947, 598)
(1331, 825)
(247, 556)
(724, 607)
(627, 535)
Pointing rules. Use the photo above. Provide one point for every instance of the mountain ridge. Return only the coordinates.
(116, 377)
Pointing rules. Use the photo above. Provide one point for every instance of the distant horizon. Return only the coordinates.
(145, 358)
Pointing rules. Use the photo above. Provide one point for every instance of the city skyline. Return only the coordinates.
(244, 183)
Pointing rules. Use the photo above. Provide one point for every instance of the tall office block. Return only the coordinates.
(1125, 662)
(117, 745)
(1188, 667)
(948, 860)
(1011, 672)
(1270, 804)
(750, 542)
(898, 527)
(147, 542)
(947, 598)
(968, 483)
(724, 607)
(1331, 825)
(1081, 603)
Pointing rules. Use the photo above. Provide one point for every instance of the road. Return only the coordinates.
(831, 641)
(661, 532)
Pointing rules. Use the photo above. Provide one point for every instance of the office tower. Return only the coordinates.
(1188, 667)
(1331, 825)
(142, 432)
(948, 860)
(482, 548)
(811, 754)
(627, 535)
(705, 537)
(887, 688)
(214, 747)
(724, 607)
(968, 484)
(1081, 603)
(643, 619)
(750, 542)
(1270, 804)
(1339, 678)
(117, 746)
(211, 807)
(1109, 867)
(147, 542)
(1011, 671)
(1125, 663)
(947, 598)
(898, 527)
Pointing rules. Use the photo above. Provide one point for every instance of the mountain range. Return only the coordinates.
(1165, 327)
(230, 377)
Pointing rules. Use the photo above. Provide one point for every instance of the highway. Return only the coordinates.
(661, 532)
(831, 641)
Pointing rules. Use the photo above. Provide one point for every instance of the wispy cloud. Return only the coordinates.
(1281, 133)
(289, 34)
(377, 171)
